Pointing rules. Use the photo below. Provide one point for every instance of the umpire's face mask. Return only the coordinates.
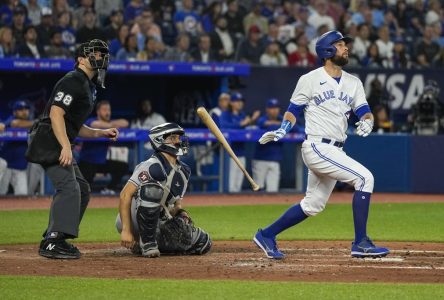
(98, 58)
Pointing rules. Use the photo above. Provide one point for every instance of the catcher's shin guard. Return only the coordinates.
(147, 219)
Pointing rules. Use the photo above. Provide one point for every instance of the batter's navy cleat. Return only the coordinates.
(268, 245)
(366, 248)
(59, 249)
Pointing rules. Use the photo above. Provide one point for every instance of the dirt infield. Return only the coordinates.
(305, 261)
(321, 261)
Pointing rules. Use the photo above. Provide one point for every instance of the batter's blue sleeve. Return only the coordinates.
(362, 110)
(295, 109)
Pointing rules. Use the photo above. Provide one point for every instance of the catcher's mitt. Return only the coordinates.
(175, 234)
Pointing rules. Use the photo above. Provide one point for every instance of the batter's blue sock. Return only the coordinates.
(361, 203)
(291, 217)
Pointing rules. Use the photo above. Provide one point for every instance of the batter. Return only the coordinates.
(327, 96)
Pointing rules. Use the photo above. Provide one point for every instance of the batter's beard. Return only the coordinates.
(339, 60)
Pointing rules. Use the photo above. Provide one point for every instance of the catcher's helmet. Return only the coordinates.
(160, 133)
(324, 45)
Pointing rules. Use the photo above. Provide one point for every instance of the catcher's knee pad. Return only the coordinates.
(201, 244)
(147, 220)
(150, 194)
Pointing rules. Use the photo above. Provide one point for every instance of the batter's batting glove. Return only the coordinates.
(364, 127)
(272, 136)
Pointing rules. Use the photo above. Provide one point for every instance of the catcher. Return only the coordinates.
(151, 219)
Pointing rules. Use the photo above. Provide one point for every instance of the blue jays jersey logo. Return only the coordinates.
(330, 95)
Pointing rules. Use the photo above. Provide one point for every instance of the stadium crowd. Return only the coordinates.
(388, 34)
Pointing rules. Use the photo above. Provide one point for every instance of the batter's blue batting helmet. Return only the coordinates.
(324, 44)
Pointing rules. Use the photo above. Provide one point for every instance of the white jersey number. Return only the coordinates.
(66, 99)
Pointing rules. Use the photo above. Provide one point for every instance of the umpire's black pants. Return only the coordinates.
(69, 201)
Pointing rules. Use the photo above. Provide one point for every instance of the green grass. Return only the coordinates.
(390, 222)
(89, 288)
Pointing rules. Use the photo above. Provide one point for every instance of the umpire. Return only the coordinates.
(71, 102)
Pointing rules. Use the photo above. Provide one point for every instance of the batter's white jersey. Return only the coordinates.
(328, 104)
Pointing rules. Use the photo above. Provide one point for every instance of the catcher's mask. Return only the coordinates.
(159, 134)
(100, 65)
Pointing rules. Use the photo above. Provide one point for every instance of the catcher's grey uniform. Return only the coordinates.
(160, 185)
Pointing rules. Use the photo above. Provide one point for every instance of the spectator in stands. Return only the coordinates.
(320, 17)
(164, 11)
(266, 162)
(133, 9)
(286, 31)
(78, 16)
(56, 49)
(187, 20)
(438, 36)
(105, 8)
(434, 13)
(272, 35)
(223, 105)
(210, 16)
(61, 6)
(234, 20)
(254, 18)
(144, 27)
(3, 163)
(129, 50)
(46, 27)
(301, 23)
(118, 43)
(204, 52)
(268, 9)
(361, 42)
(151, 51)
(417, 20)
(401, 12)
(372, 59)
(30, 48)
(116, 21)
(34, 12)
(390, 21)
(223, 41)
(385, 46)
(426, 50)
(236, 118)
(7, 42)
(382, 121)
(273, 56)
(89, 31)
(301, 56)
(180, 52)
(14, 152)
(146, 119)
(312, 44)
(18, 24)
(68, 32)
(401, 58)
(93, 156)
(250, 49)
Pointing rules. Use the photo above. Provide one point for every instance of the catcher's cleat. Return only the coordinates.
(150, 250)
(268, 245)
(58, 249)
(366, 248)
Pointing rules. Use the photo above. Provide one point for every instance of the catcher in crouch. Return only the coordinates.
(151, 219)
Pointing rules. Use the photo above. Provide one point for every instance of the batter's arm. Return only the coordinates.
(126, 195)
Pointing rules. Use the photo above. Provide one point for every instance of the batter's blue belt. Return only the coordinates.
(329, 141)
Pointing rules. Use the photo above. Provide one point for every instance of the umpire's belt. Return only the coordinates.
(325, 141)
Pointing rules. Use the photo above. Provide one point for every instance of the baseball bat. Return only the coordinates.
(208, 121)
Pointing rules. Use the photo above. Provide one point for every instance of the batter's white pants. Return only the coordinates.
(328, 164)
(236, 177)
(18, 180)
(267, 174)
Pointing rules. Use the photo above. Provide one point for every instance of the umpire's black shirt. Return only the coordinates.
(76, 94)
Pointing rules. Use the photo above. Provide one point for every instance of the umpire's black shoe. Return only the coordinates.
(60, 249)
